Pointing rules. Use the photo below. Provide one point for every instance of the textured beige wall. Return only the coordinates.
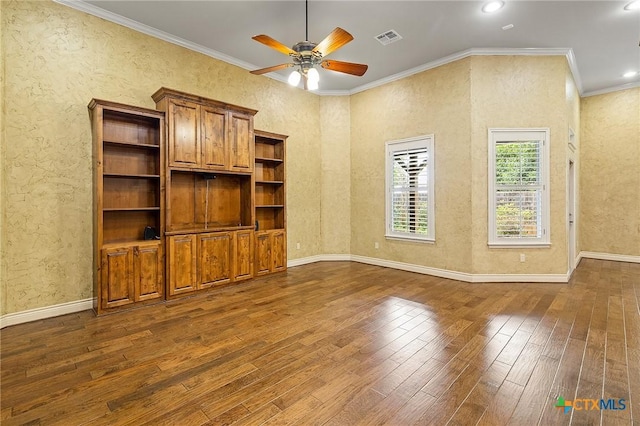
(610, 173)
(3, 265)
(57, 59)
(432, 102)
(335, 142)
(513, 92)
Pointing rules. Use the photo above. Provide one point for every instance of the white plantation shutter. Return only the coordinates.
(410, 188)
(518, 187)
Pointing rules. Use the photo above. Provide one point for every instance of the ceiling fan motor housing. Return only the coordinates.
(306, 57)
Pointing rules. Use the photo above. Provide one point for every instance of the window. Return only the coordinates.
(518, 187)
(410, 189)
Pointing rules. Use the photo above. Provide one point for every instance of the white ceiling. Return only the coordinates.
(600, 38)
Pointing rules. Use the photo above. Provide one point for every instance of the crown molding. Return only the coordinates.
(90, 9)
(562, 51)
(611, 89)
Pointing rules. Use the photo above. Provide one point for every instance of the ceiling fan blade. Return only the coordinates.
(345, 67)
(270, 69)
(333, 41)
(274, 44)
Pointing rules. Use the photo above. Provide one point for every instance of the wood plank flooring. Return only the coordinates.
(340, 343)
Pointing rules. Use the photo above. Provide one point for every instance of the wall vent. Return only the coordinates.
(388, 37)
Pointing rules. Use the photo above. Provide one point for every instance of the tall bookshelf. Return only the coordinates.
(270, 202)
(128, 197)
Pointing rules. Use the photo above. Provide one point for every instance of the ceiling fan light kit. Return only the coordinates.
(492, 6)
(634, 5)
(307, 55)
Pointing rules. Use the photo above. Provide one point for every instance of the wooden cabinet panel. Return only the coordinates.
(128, 194)
(243, 255)
(262, 253)
(184, 136)
(182, 264)
(278, 251)
(215, 150)
(241, 140)
(117, 277)
(214, 258)
(148, 267)
(207, 134)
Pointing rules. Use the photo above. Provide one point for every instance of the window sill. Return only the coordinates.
(518, 245)
(410, 239)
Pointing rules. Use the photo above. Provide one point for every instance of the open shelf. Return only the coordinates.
(125, 128)
(269, 170)
(132, 145)
(269, 217)
(130, 175)
(209, 201)
(128, 225)
(268, 160)
(130, 209)
(127, 192)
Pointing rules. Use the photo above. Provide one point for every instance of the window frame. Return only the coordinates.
(496, 135)
(422, 141)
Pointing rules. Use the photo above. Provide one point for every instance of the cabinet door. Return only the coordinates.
(148, 272)
(243, 255)
(263, 253)
(213, 140)
(241, 140)
(214, 255)
(184, 134)
(182, 264)
(117, 277)
(278, 251)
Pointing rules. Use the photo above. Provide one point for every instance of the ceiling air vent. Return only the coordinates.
(388, 37)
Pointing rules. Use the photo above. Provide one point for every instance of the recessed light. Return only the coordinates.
(634, 5)
(630, 74)
(492, 6)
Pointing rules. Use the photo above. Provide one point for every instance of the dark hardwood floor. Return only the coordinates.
(341, 343)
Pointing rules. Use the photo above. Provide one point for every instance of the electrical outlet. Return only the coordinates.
(297, 246)
(522, 257)
(376, 245)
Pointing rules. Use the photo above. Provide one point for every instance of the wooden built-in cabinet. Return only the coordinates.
(181, 270)
(203, 260)
(128, 196)
(206, 134)
(271, 252)
(270, 198)
(210, 192)
(131, 274)
(211, 189)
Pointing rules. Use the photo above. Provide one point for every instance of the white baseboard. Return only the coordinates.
(318, 258)
(464, 276)
(442, 273)
(609, 256)
(46, 312)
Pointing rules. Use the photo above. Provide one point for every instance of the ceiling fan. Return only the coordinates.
(306, 55)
